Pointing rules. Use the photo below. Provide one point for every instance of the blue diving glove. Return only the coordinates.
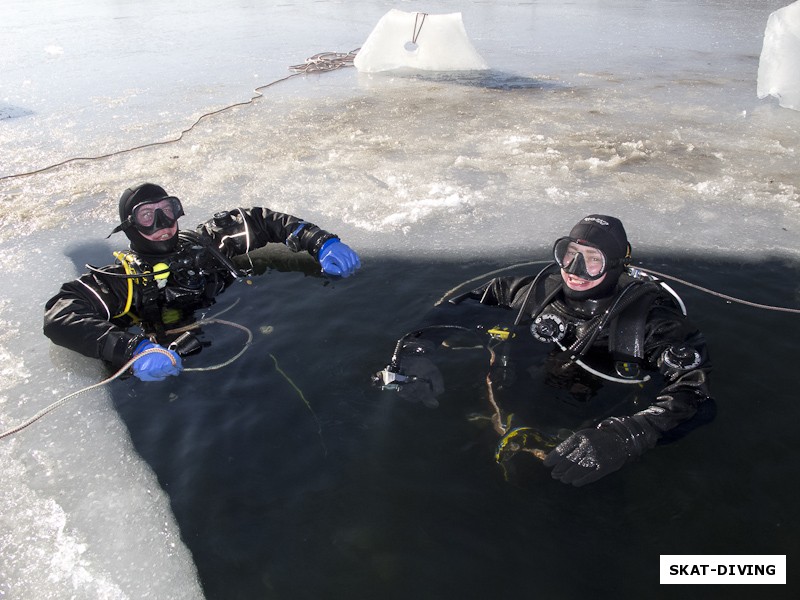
(337, 258)
(156, 366)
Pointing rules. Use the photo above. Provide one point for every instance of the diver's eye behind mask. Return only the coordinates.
(586, 262)
(150, 217)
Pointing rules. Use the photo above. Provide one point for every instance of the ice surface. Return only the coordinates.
(84, 470)
(83, 516)
(418, 41)
(589, 107)
(779, 67)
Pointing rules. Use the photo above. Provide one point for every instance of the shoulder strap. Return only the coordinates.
(544, 293)
(628, 329)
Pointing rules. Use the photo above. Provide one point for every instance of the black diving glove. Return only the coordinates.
(589, 454)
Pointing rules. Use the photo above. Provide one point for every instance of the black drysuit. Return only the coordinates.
(92, 314)
(646, 332)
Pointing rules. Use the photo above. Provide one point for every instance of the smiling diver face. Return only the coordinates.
(150, 219)
(593, 266)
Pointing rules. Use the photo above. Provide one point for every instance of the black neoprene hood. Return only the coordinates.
(608, 235)
(144, 193)
(603, 232)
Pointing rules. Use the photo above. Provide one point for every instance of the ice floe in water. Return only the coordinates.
(779, 67)
(419, 41)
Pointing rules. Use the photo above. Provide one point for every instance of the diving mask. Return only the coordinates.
(149, 217)
(580, 259)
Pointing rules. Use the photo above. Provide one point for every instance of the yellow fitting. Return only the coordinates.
(500, 333)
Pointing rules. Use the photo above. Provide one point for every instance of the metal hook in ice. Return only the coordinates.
(418, 23)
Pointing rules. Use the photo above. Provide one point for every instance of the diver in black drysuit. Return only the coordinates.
(593, 320)
(94, 314)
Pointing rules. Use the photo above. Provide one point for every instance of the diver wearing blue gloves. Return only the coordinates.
(94, 314)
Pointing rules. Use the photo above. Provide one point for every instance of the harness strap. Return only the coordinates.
(630, 294)
(627, 331)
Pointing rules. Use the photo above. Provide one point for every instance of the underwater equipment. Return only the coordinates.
(185, 344)
(393, 376)
(618, 368)
(514, 432)
(629, 295)
(596, 246)
(552, 328)
(206, 243)
(161, 273)
(626, 371)
(501, 333)
(546, 327)
(549, 328)
(409, 367)
(195, 265)
(135, 272)
(293, 241)
(390, 378)
(524, 439)
(682, 358)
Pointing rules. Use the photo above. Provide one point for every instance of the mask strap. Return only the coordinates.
(124, 226)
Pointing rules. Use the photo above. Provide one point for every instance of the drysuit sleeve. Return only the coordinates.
(678, 350)
(241, 230)
(672, 346)
(81, 317)
(507, 292)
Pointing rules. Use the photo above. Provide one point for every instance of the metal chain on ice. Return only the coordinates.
(319, 63)
(326, 61)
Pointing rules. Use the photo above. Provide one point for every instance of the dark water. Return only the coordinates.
(369, 496)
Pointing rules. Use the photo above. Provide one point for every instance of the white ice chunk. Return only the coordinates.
(779, 66)
(418, 41)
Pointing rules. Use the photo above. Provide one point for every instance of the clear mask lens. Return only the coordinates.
(152, 216)
(586, 262)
